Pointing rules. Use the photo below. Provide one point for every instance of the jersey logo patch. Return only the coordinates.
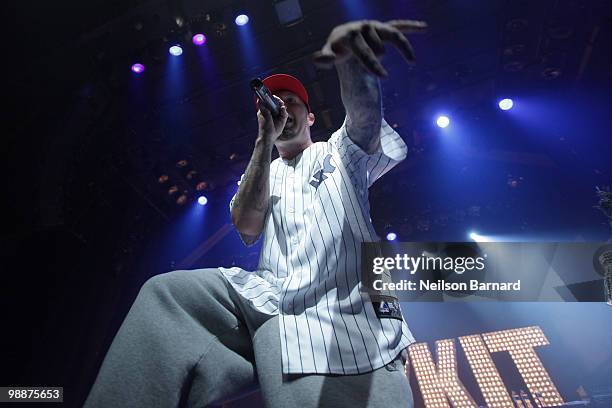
(389, 309)
(319, 175)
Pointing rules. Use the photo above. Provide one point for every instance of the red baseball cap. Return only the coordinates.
(284, 82)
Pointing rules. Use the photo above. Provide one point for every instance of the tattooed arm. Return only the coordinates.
(251, 201)
(354, 48)
(253, 196)
(361, 96)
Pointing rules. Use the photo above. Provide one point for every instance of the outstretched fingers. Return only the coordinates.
(394, 36)
(366, 56)
(366, 41)
(373, 39)
(409, 26)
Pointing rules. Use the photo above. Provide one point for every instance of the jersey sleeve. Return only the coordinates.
(247, 240)
(391, 151)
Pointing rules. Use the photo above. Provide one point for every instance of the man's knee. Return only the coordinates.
(202, 283)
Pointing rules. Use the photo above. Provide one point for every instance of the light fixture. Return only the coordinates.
(199, 39)
(175, 50)
(442, 121)
(288, 12)
(505, 104)
(241, 19)
(137, 68)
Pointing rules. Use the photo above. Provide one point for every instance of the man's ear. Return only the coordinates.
(311, 119)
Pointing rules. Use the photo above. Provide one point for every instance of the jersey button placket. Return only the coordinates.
(290, 188)
(290, 208)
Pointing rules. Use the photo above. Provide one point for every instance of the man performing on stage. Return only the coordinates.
(299, 326)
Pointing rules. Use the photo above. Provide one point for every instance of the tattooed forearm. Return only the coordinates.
(362, 100)
(251, 202)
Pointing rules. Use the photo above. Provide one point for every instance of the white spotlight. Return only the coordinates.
(242, 19)
(175, 50)
(443, 121)
(505, 104)
(476, 237)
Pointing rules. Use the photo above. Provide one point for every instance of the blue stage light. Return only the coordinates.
(202, 200)
(392, 236)
(175, 50)
(442, 121)
(506, 104)
(476, 237)
(242, 19)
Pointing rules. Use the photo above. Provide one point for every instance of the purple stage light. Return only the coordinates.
(202, 200)
(242, 19)
(175, 50)
(199, 39)
(137, 68)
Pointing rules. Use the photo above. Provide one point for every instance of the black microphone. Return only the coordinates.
(265, 96)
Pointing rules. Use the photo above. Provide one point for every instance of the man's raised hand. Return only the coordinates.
(366, 40)
(270, 128)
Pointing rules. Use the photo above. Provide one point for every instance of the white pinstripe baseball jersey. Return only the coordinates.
(309, 266)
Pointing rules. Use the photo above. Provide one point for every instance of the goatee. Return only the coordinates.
(287, 134)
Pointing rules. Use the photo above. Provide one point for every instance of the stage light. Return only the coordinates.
(442, 121)
(182, 199)
(392, 236)
(175, 50)
(199, 39)
(505, 104)
(202, 200)
(242, 19)
(137, 68)
(476, 237)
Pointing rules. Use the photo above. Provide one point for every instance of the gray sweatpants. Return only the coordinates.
(190, 340)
